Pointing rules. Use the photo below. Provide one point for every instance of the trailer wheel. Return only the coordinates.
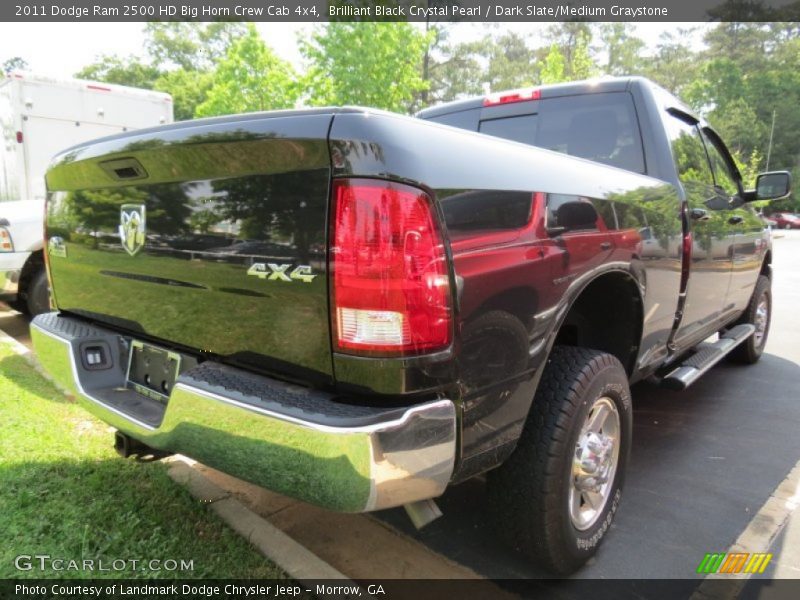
(556, 495)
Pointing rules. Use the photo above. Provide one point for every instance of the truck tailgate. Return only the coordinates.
(209, 235)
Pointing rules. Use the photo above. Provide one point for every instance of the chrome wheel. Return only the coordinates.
(761, 320)
(595, 464)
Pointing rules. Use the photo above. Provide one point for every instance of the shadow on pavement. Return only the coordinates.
(703, 463)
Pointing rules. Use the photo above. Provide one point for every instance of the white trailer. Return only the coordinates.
(39, 117)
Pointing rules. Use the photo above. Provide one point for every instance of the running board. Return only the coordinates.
(706, 356)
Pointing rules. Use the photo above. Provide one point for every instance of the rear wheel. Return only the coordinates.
(759, 314)
(555, 497)
(38, 295)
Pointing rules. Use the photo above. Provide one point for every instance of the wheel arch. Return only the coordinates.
(606, 313)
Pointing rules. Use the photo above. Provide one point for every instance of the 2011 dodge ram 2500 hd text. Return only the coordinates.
(358, 309)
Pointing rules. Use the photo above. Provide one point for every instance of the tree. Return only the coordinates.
(553, 70)
(129, 71)
(191, 46)
(512, 64)
(623, 50)
(451, 70)
(250, 78)
(569, 35)
(582, 65)
(367, 63)
(188, 89)
(15, 63)
(674, 65)
(180, 57)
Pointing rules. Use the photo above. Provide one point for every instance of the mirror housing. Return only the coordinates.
(574, 216)
(775, 185)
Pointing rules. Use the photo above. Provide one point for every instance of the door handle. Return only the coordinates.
(736, 220)
(605, 246)
(699, 214)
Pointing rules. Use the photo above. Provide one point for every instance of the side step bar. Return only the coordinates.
(706, 356)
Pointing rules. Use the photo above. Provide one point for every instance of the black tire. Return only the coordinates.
(750, 350)
(38, 294)
(529, 494)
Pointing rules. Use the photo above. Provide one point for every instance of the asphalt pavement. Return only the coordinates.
(703, 463)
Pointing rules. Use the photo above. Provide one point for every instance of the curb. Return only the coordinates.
(299, 562)
(758, 536)
(19, 348)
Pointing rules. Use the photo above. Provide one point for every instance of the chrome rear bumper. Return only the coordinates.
(295, 441)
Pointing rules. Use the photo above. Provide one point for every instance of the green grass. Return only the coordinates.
(65, 493)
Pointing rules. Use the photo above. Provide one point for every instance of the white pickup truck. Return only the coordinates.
(40, 116)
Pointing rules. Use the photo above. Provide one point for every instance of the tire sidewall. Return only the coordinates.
(761, 289)
(612, 383)
(38, 300)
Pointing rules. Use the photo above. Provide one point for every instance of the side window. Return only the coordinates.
(487, 210)
(688, 151)
(724, 172)
(600, 127)
(464, 119)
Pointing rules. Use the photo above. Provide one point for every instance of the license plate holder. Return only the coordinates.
(152, 371)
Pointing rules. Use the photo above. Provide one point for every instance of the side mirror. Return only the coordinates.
(775, 185)
(573, 216)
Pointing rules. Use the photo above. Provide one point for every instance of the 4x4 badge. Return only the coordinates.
(274, 272)
(132, 227)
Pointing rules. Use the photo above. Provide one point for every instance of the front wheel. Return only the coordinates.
(759, 314)
(555, 497)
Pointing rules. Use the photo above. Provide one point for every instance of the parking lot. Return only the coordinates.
(704, 463)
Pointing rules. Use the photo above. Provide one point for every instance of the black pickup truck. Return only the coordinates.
(359, 309)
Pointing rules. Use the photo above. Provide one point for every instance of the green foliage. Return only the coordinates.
(623, 50)
(367, 63)
(674, 64)
(191, 46)
(582, 65)
(452, 70)
(510, 63)
(64, 492)
(128, 71)
(15, 63)
(250, 78)
(188, 89)
(553, 70)
(180, 57)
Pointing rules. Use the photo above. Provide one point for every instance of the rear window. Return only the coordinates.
(599, 127)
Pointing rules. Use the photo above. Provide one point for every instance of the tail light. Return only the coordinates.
(391, 290)
(6, 244)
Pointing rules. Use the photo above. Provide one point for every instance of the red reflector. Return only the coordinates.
(19, 137)
(98, 88)
(391, 289)
(6, 245)
(510, 97)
